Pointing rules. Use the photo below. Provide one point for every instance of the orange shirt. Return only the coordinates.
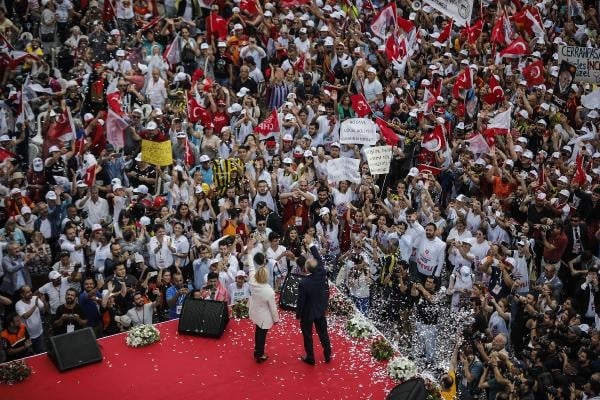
(500, 189)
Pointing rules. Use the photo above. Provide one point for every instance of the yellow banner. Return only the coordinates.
(157, 153)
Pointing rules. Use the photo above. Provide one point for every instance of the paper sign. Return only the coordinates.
(586, 59)
(358, 131)
(157, 153)
(459, 10)
(343, 169)
(379, 159)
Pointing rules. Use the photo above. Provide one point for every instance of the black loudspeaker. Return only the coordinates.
(203, 317)
(75, 349)
(289, 291)
(413, 389)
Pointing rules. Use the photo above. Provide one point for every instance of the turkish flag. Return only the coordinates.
(497, 35)
(445, 35)
(392, 48)
(62, 126)
(434, 140)
(90, 175)
(188, 157)
(406, 25)
(579, 178)
(4, 154)
(472, 32)
(216, 25)
(529, 20)
(197, 113)
(464, 80)
(424, 168)
(534, 73)
(114, 103)
(269, 125)
(517, 48)
(360, 105)
(496, 94)
(390, 137)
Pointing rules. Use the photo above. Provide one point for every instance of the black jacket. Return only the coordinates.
(313, 292)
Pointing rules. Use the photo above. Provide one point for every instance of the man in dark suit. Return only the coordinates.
(313, 297)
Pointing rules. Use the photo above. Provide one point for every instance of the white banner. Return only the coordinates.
(586, 59)
(343, 169)
(459, 10)
(358, 131)
(379, 159)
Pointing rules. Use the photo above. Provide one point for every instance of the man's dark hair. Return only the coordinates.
(259, 259)
(212, 275)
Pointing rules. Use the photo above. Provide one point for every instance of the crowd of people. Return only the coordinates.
(501, 237)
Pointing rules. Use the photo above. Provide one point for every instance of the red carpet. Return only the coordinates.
(189, 367)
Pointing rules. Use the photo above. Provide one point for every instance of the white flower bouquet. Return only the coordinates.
(142, 335)
(359, 327)
(401, 369)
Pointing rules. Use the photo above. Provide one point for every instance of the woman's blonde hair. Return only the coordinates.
(262, 275)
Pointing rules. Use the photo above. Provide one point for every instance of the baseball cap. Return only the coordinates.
(51, 196)
(96, 227)
(53, 148)
(53, 275)
(324, 211)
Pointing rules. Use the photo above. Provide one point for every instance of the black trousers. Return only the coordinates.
(321, 327)
(260, 338)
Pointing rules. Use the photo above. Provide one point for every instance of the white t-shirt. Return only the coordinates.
(238, 294)
(372, 89)
(34, 322)
(56, 294)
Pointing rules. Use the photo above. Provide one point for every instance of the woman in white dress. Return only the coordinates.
(262, 309)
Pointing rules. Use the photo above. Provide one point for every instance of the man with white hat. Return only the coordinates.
(373, 90)
(156, 90)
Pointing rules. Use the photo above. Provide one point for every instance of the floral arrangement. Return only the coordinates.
(381, 349)
(401, 369)
(340, 305)
(142, 335)
(14, 372)
(432, 390)
(240, 309)
(359, 327)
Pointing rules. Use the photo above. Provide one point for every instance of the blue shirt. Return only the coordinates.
(201, 268)
(175, 311)
(207, 175)
(91, 309)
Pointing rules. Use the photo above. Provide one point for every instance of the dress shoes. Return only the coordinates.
(262, 358)
(307, 360)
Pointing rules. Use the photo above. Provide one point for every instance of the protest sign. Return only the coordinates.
(478, 144)
(585, 59)
(358, 131)
(157, 153)
(343, 169)
(379, 159)
(459, 10)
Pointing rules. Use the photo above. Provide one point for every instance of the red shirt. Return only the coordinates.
(220, 120)
(560, 244)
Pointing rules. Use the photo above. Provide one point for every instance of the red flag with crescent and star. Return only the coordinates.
(579, 177)
(360, 105)
(534, 73)
(517, 48)
(390, 137)
(197, 113)
(496, 93)
(464, 80)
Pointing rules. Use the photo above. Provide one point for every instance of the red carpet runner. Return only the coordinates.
(189, 367)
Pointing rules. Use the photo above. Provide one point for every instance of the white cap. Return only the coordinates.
(138, 258)
(414, 171)
(120, 53)
(524, 113)
(145, 221)
(115, 32)
(51, 196)
(54, 275)
(240, 273)
(221, 44)
(323, 211)
(235, 107)
(564, 192)
(287, 160)
(288, 138)
(372, 70)
(143, 189)
(143, 68)
(308, 153)
(528, 154)
(53, 148)
(563, 179)
(238, 27)
(204, 158)
(204, 46)
(151, 125)
(88, 117)
(25, 210)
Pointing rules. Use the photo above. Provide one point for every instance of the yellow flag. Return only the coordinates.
(157, 153)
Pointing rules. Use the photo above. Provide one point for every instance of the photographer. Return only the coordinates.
(69, 316)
